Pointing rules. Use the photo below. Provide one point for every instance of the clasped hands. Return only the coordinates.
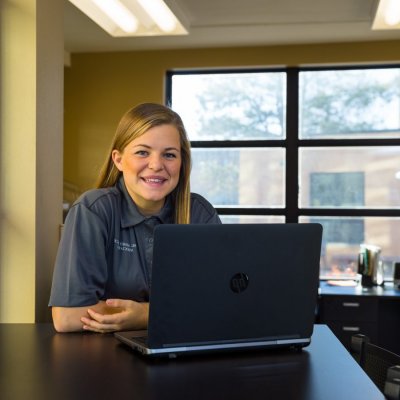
(117, 315)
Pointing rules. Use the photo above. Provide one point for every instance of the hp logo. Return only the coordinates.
(239, 282)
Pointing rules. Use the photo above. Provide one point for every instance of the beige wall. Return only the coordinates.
(31, 101)
(100, 87)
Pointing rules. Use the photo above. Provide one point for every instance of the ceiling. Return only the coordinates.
(226, 23)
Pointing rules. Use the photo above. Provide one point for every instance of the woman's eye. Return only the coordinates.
(170, 155)
(141, 153)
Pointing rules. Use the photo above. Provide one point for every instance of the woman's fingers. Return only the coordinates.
(105, 318)
(101, 322)
(96, 326)
(120, 315)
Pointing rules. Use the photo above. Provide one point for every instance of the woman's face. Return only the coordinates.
(150, 165)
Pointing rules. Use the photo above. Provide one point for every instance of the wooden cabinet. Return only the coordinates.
(374, 312)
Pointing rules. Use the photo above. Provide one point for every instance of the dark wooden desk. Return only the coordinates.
(38, 364)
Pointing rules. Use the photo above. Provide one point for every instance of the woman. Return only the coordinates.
(102, 274)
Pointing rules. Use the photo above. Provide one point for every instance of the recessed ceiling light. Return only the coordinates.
(160, 13)
(132, 17)
(119, 14)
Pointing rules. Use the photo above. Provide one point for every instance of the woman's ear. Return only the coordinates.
(117, 159)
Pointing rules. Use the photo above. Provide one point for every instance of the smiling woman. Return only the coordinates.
(102, 274)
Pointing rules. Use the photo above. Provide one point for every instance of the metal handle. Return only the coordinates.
(351, 328)
(350, 304)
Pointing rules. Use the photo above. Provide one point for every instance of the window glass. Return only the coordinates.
(252, 219)
(240, 176)
(349, 103)
(351, 172)
(341, 241)
(231, 106)
(349, 177)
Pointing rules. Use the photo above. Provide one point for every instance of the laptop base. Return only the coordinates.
(135, 340)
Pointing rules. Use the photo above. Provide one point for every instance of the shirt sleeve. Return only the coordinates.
(80, 272)
(202, 212)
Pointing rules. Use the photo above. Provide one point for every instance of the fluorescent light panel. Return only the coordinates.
(132, 17)
(119, 14)
(160, 13)
(387, 15)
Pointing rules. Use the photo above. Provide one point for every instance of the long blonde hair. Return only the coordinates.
(135, 123)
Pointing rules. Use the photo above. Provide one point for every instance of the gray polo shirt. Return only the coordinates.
(107, 245)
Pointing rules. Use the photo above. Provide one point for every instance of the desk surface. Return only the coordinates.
(388, 290)
(38, 364)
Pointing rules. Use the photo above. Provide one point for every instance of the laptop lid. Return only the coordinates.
(232, 286)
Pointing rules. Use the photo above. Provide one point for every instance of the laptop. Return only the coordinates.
(230, 287)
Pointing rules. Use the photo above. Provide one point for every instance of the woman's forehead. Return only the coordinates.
(159, 136)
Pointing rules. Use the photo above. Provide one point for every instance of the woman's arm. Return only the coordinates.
(105, 316)
(68, 319)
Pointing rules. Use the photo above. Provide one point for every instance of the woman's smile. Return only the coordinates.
(154, 180)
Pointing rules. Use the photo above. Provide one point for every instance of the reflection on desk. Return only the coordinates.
(37, 363)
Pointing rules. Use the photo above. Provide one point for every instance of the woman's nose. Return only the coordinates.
(155, 163)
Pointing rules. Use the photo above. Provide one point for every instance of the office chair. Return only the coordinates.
(381, 365)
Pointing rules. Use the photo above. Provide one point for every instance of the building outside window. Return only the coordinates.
(300, 145)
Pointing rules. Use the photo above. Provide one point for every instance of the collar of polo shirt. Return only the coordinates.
(131, 215)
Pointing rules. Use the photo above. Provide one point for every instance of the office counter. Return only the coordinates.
(374, 312)
(38, 364)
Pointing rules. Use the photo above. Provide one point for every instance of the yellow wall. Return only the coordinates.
(100, 87)
(17, 154)
(31, 99)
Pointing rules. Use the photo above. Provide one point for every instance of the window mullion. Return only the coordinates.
(292, 157)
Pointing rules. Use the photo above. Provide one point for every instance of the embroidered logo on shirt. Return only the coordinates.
(123, 246)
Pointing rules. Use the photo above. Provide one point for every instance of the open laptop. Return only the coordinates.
(230, 287)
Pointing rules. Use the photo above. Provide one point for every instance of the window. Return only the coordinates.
(300, 145)
(336, 189)
(231, 106)
(240, 176)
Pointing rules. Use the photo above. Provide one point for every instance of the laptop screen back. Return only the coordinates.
(233, 283)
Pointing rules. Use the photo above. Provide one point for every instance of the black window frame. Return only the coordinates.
(292, 143)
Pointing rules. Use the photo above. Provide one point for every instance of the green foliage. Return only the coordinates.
(253, 105)
(242, 106)
(342, 102)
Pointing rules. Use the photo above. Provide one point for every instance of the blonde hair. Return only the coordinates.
(135, 123)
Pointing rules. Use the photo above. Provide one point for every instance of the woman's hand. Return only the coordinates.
(118, 315)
